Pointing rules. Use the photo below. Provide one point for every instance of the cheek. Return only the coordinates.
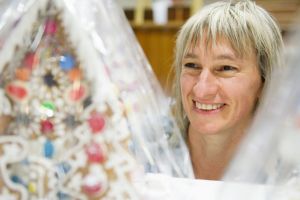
(186, 87)
(184, 84)
(254, 87)
(183, 90)
(246, 94)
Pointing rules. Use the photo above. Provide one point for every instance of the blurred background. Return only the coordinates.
(156, 22)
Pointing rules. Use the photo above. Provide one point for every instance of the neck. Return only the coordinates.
(211, 154)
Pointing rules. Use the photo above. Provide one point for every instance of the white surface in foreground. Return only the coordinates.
(162, 187)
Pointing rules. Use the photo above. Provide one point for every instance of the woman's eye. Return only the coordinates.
(190, 65)
(227, 68)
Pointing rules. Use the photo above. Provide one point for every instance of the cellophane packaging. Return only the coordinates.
(80, 108)
(269, 155)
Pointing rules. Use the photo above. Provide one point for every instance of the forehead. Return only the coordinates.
(220, 44)
(220, 50)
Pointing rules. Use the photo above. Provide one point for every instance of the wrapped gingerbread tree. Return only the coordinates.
(80, 107)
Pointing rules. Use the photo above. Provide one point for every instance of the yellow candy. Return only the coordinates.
(31, 187)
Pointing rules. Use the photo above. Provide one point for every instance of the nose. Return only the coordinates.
(207, 85)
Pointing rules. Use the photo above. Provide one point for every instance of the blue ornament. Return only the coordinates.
(67, 62)
(16, 179)
(62, 196)
(64, 167)
(48, 149)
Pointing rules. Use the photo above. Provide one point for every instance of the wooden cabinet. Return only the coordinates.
(158, 41)
(286, 12)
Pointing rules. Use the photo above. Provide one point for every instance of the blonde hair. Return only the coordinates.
(244, 24)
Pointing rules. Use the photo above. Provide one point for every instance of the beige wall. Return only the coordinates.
(131, 3)
(127, 3)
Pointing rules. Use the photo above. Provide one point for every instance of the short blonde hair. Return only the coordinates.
(246, 26)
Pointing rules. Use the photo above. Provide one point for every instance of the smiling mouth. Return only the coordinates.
(208, 107)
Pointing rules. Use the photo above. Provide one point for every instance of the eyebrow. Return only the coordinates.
(220, 57)
(190, 55)
(225, 57)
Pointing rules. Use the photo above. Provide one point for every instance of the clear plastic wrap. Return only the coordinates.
(269, 155)
(80, 107)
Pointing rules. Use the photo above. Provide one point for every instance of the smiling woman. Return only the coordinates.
(225, 55)
(219, 90)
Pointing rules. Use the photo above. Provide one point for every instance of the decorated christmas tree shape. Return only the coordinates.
(65, 139)
(76, 94)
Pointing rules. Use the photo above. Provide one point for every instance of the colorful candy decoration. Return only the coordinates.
(61, 144)
(78, 99)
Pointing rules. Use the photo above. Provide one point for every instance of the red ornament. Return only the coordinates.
(30, 60)
(92, 186)
(46, 126)
(50, 27)
(17, 90)
(95, 153)
(92, 190)
(77, 94)
(96, 122)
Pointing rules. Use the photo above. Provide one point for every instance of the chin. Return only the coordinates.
(208, 130)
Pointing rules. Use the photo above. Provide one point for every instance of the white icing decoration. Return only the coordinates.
(5, 107)
(5, 194)
(68, 146)
(16, 37)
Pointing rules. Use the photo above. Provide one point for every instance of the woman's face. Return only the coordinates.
(219, 89)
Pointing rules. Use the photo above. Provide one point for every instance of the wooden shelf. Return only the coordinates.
(158, 41)
(150, 25)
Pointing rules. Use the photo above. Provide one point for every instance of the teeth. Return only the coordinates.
(208, 106)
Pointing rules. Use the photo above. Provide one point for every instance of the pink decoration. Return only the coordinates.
(50, 27)
(77, 94)
(46, 126)
(96, 122)
(95, 153)
(91, 185)
(30, 60)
